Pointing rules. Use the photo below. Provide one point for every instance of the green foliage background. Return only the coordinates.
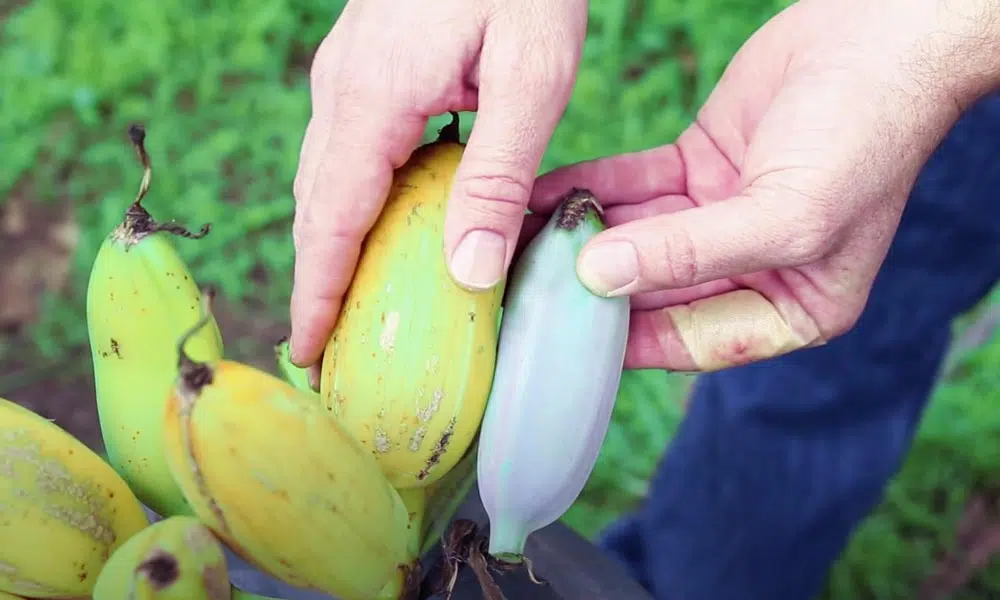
(223, 90)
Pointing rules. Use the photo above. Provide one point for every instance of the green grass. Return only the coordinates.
(223, 90)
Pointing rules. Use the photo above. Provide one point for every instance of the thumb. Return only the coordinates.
(752, 232)
(518, 109)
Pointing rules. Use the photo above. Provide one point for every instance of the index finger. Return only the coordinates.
(343, 179)
(622, 179)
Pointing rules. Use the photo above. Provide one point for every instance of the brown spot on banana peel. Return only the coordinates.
(439, 449)
(161, 569)
(735, 328)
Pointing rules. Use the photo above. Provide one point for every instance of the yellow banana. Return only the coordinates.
(294, 375)
(6, 596)
(140, 299)
(408, 367)
(177, 558)
(64, 510)
(281, 482)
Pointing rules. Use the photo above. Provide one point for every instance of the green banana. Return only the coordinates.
(6, 596)
(177, 558)
(63, 510)
(267, 468)
(407, 369)
(297, 376)
(140, 299)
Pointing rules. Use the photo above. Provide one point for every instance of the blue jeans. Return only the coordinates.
(776, 463)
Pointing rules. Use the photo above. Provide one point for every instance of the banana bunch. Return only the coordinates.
(177, 558)
(141, 297)
(408, 367)
(559, 363)
(58, 499)
(341, 490)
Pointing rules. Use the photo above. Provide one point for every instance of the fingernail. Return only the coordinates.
(609, 269)
(478, 260)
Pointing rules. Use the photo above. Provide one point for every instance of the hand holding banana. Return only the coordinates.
(342, 490)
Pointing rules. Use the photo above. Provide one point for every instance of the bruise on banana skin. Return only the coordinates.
(438, 451)
(161, 569)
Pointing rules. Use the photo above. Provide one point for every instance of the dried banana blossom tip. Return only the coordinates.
(579, 206)
(138, 222)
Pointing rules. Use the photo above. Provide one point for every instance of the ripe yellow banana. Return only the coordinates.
(140, 298)
(63, 510)
(408, 367)
(267, 468)
(177, 558)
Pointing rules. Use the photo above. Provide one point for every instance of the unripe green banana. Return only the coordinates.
(297, 376)
(63, 510)
(6, 596)
(177, 558)
(407, 369)
(560, 360)
(140, 298)
(267, 468)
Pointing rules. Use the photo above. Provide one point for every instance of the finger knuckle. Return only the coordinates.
(496, 196)
(678, 261)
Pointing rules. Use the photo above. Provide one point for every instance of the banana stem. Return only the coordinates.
(577, 204)
(138, 223)
(450, 133)
(195, 375)
(415, 500)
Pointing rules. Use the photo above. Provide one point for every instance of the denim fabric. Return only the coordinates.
(777, 462)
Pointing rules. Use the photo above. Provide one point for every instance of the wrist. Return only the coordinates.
(967, 48)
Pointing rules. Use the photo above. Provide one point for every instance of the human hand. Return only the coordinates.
(761, 229)
(387, 66)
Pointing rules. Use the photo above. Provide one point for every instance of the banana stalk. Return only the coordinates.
(559, 363)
